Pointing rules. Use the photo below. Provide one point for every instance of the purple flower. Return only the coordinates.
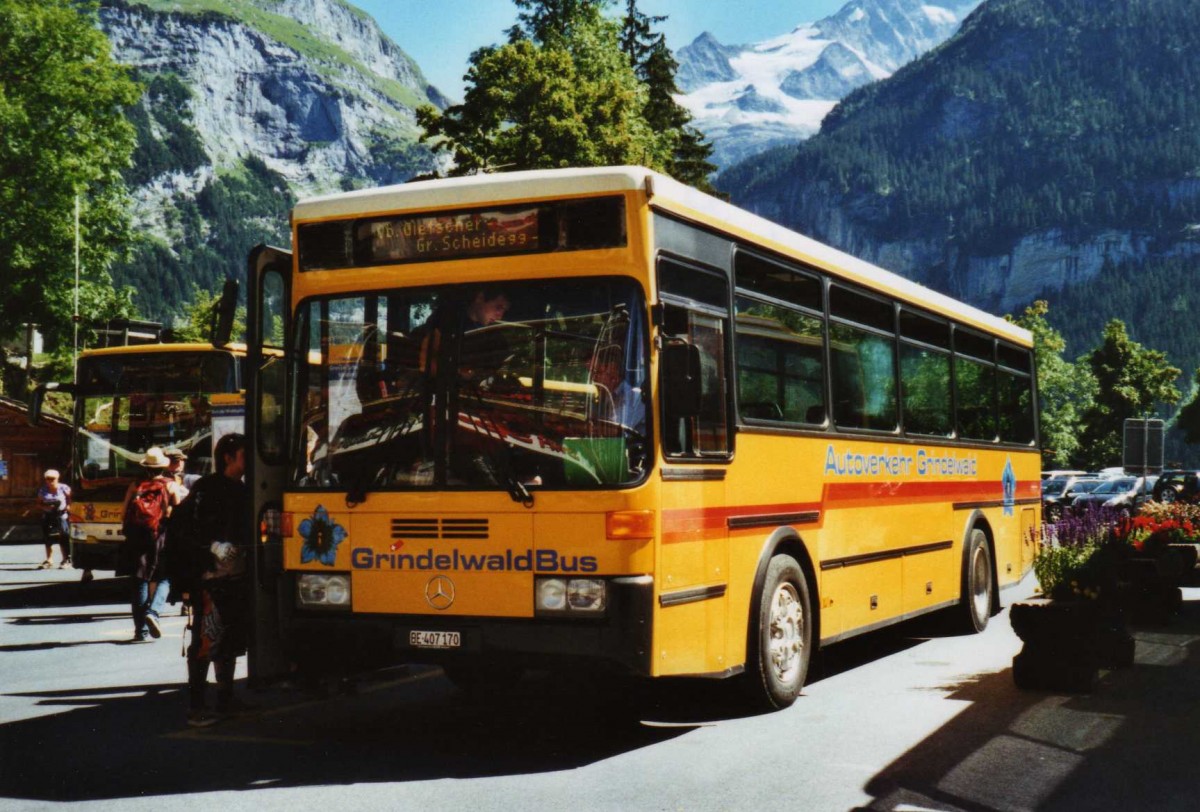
(1093, 525)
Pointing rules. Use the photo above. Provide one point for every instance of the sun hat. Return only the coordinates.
(50, 474)
(155, 458)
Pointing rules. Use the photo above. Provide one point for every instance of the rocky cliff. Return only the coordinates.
(310, 92)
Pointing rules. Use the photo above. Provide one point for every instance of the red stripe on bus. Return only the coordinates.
(695, 524)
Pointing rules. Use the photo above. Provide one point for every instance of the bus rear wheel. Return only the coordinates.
(782, 642)
(976, 606)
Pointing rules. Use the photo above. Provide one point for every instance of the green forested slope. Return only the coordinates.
(1039, 114)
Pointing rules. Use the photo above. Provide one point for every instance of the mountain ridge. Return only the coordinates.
(749, 98)
(1010, 164)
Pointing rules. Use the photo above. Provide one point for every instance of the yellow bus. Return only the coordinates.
(594, 417)
(128, 399)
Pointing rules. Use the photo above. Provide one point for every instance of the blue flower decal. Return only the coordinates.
(321, 536)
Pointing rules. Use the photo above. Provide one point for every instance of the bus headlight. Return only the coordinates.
(551, 594)
(570, 595)
(315, 590)
(585, 595)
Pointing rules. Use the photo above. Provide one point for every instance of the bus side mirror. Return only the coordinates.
(38, 397)
(223, 313)
(681, 380)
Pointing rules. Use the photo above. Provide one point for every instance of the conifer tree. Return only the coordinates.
(656, 66)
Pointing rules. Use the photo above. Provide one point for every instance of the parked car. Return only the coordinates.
(1060, 492)
(1126, 493)
(1177, 486)
(1059, 474)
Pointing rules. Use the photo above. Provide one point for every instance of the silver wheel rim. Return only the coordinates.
(981, 583)
(786, 644)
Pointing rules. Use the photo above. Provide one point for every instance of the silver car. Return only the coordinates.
(1125, 493)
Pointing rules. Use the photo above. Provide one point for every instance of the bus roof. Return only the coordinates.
(665, 193)
(138, 349)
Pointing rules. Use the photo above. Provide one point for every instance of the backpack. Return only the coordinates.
(148, 507)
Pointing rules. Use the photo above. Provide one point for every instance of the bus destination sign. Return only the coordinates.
(456, 234)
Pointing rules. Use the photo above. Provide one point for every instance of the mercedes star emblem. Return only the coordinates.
(439, 592)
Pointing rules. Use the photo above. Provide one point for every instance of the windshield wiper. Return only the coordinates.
(498, 469)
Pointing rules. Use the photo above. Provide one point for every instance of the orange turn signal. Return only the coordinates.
(630, 524)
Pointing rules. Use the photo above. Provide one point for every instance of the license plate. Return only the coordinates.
(435, 639)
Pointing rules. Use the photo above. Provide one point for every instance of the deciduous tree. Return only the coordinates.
(1066, 390)
(559, 93)
(63, 135)
(1133, 381)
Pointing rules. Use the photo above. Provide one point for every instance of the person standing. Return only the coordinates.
(181, 481)
(208, 547)
(147, 504)
(54, 500)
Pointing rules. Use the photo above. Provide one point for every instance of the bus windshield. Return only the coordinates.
(502, 386)
(130, 402)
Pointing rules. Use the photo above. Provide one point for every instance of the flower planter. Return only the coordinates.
(1066, 643)
(1148, 587)
(1188, 554)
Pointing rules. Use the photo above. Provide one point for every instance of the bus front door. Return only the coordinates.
(267, 318)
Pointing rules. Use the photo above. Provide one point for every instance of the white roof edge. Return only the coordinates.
(482, 189)
(474, 189)
(860, 268)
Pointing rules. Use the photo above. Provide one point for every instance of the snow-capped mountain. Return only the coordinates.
(752, 97)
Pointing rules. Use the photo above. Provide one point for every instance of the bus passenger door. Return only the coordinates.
(692, 615)
(267, 320)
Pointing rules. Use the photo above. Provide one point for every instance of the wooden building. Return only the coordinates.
(25, 453)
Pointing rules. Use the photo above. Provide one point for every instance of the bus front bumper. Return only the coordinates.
(620, 639)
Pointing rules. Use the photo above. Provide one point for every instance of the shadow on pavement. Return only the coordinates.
(1130, 744)
(55, 620)
(67, 593)
(402, 726)
(132, 742)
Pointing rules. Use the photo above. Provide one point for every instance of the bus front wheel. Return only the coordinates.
(782, 642)
(976, 606)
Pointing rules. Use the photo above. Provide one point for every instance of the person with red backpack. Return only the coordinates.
(148, 502)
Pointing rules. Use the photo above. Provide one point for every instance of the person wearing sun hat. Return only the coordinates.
(179, 481)
(148, 501)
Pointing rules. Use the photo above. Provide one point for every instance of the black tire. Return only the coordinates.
(781, 640)
(975, 607)
(1171, 493)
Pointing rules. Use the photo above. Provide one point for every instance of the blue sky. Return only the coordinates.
(441, 34)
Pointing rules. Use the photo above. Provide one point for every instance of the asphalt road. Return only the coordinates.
(912, 718)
